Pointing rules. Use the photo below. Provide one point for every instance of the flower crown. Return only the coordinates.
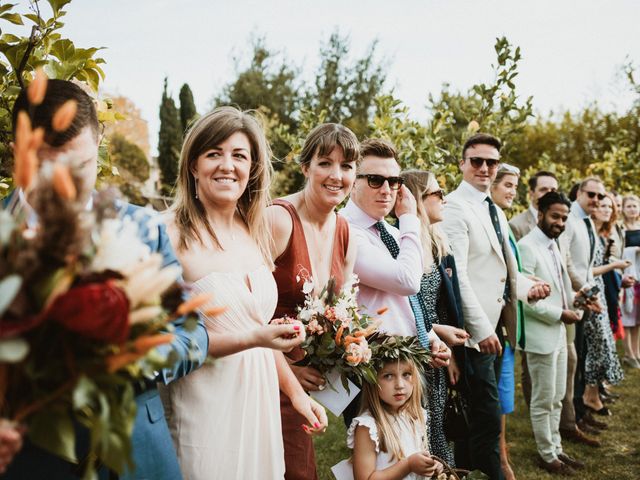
(392, 348)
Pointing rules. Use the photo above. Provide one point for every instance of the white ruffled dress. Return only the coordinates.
(411, 439)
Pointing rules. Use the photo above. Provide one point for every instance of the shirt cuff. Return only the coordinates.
(409, 223)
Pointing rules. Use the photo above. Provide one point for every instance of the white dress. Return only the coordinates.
(225, 416)
(411, 440)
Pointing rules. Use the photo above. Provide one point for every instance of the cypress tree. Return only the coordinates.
(187, 107)
(169, 142)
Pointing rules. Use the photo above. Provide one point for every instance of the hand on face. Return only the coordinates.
(405, 202)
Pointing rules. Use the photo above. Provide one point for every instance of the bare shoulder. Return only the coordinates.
(279, 220)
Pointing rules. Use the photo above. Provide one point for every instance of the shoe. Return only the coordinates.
(631, 362)
(556, 467)
(592, 422)
(578, 436)
(572, 462)
(604, 411)
(586, 428)
(607, 400)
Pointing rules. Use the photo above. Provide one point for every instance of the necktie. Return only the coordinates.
(495, 220)
(418, 314)
(556, 263)
(592, 238)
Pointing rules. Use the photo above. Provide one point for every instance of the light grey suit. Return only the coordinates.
(546, 348)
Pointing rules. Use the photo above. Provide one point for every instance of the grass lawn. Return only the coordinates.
(618, 458)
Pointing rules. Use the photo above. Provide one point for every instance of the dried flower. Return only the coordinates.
(64, 116)
(38, 87)
(63, 183)
(194, 303)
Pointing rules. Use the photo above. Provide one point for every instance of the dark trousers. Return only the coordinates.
(481, 450)
(581, 352)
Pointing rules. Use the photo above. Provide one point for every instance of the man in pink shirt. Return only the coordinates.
(389, 261)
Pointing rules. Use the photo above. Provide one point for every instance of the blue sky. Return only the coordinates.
(572, 49)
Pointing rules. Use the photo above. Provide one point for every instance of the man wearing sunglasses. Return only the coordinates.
(579, 241)
(490, 286)
(389, 260)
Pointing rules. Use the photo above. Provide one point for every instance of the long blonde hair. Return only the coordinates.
(383, 416)
(434, 241)
(208, 132)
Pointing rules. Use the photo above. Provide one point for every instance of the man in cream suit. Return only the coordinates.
(539, 184)
(579, 241)
(546, 347)
(489, 287)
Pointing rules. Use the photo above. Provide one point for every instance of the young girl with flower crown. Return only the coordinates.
(389, 437)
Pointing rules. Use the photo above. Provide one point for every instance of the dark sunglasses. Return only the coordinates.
(376, 181)
(438, 193)
(477, 162)
(594, 195)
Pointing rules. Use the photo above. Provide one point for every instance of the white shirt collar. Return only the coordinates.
(357, 216)
(541, 237)
(473, 192)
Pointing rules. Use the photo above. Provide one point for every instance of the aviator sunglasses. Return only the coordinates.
(477, 162)
(376, 181)
(438, 193)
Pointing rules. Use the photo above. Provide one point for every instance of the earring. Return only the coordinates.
(196, 181)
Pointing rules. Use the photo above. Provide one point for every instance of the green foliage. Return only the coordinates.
(188, 111)
(169, 141)
(40, 45)
(132, 165)
(344, 88)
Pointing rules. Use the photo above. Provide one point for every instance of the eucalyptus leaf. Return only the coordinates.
(52, 430)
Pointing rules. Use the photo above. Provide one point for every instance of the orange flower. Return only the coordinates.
(349, 339)
(64, 116)
(146, 343)
(119, 360)
(193, 303)
(339, 334)
(38, 87)
(37, 138)
(26, 165)
(382, 311)
(63, 183)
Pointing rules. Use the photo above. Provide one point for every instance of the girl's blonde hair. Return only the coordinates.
(434, 241)
(626, 199)
(388, 437)
(206, 133)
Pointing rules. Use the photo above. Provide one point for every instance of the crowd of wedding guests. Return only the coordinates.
(557, 283)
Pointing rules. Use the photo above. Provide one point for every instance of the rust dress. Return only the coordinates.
(291, 268)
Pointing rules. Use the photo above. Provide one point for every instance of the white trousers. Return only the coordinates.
(548, 385)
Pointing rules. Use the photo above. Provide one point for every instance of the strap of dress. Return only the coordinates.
(342, 233)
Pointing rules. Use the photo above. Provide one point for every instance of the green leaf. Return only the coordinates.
(52, 430)
(9, 288)
(13, 350)
(7, 7)
(14, 18)
(57, 5)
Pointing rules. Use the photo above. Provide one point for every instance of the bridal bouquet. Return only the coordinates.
(337, 332)
(83, 306)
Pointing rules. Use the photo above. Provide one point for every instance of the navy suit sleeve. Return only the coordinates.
(191, 346)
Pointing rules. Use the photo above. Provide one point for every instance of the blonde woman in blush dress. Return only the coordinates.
(225, 417)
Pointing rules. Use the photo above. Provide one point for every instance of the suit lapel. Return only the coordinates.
(483, 216)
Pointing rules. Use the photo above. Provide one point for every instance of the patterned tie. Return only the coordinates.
(495, 220)
(394, 250)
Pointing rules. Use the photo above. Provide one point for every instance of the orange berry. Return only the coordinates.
(64, 116)
(38, 87)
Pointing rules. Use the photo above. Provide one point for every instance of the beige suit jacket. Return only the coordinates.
(577, 244)
(545, 331)
(482, 268)
(522, 224)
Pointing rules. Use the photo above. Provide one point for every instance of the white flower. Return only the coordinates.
(307, 286)
(118, 246)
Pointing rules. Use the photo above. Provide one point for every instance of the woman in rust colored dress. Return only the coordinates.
(312, 242)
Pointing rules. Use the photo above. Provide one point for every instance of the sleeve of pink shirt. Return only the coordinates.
(378, 269)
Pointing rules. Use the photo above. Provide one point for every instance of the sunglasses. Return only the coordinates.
(477, 162)
(438, 193)
(376, 181)
(593, 195)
